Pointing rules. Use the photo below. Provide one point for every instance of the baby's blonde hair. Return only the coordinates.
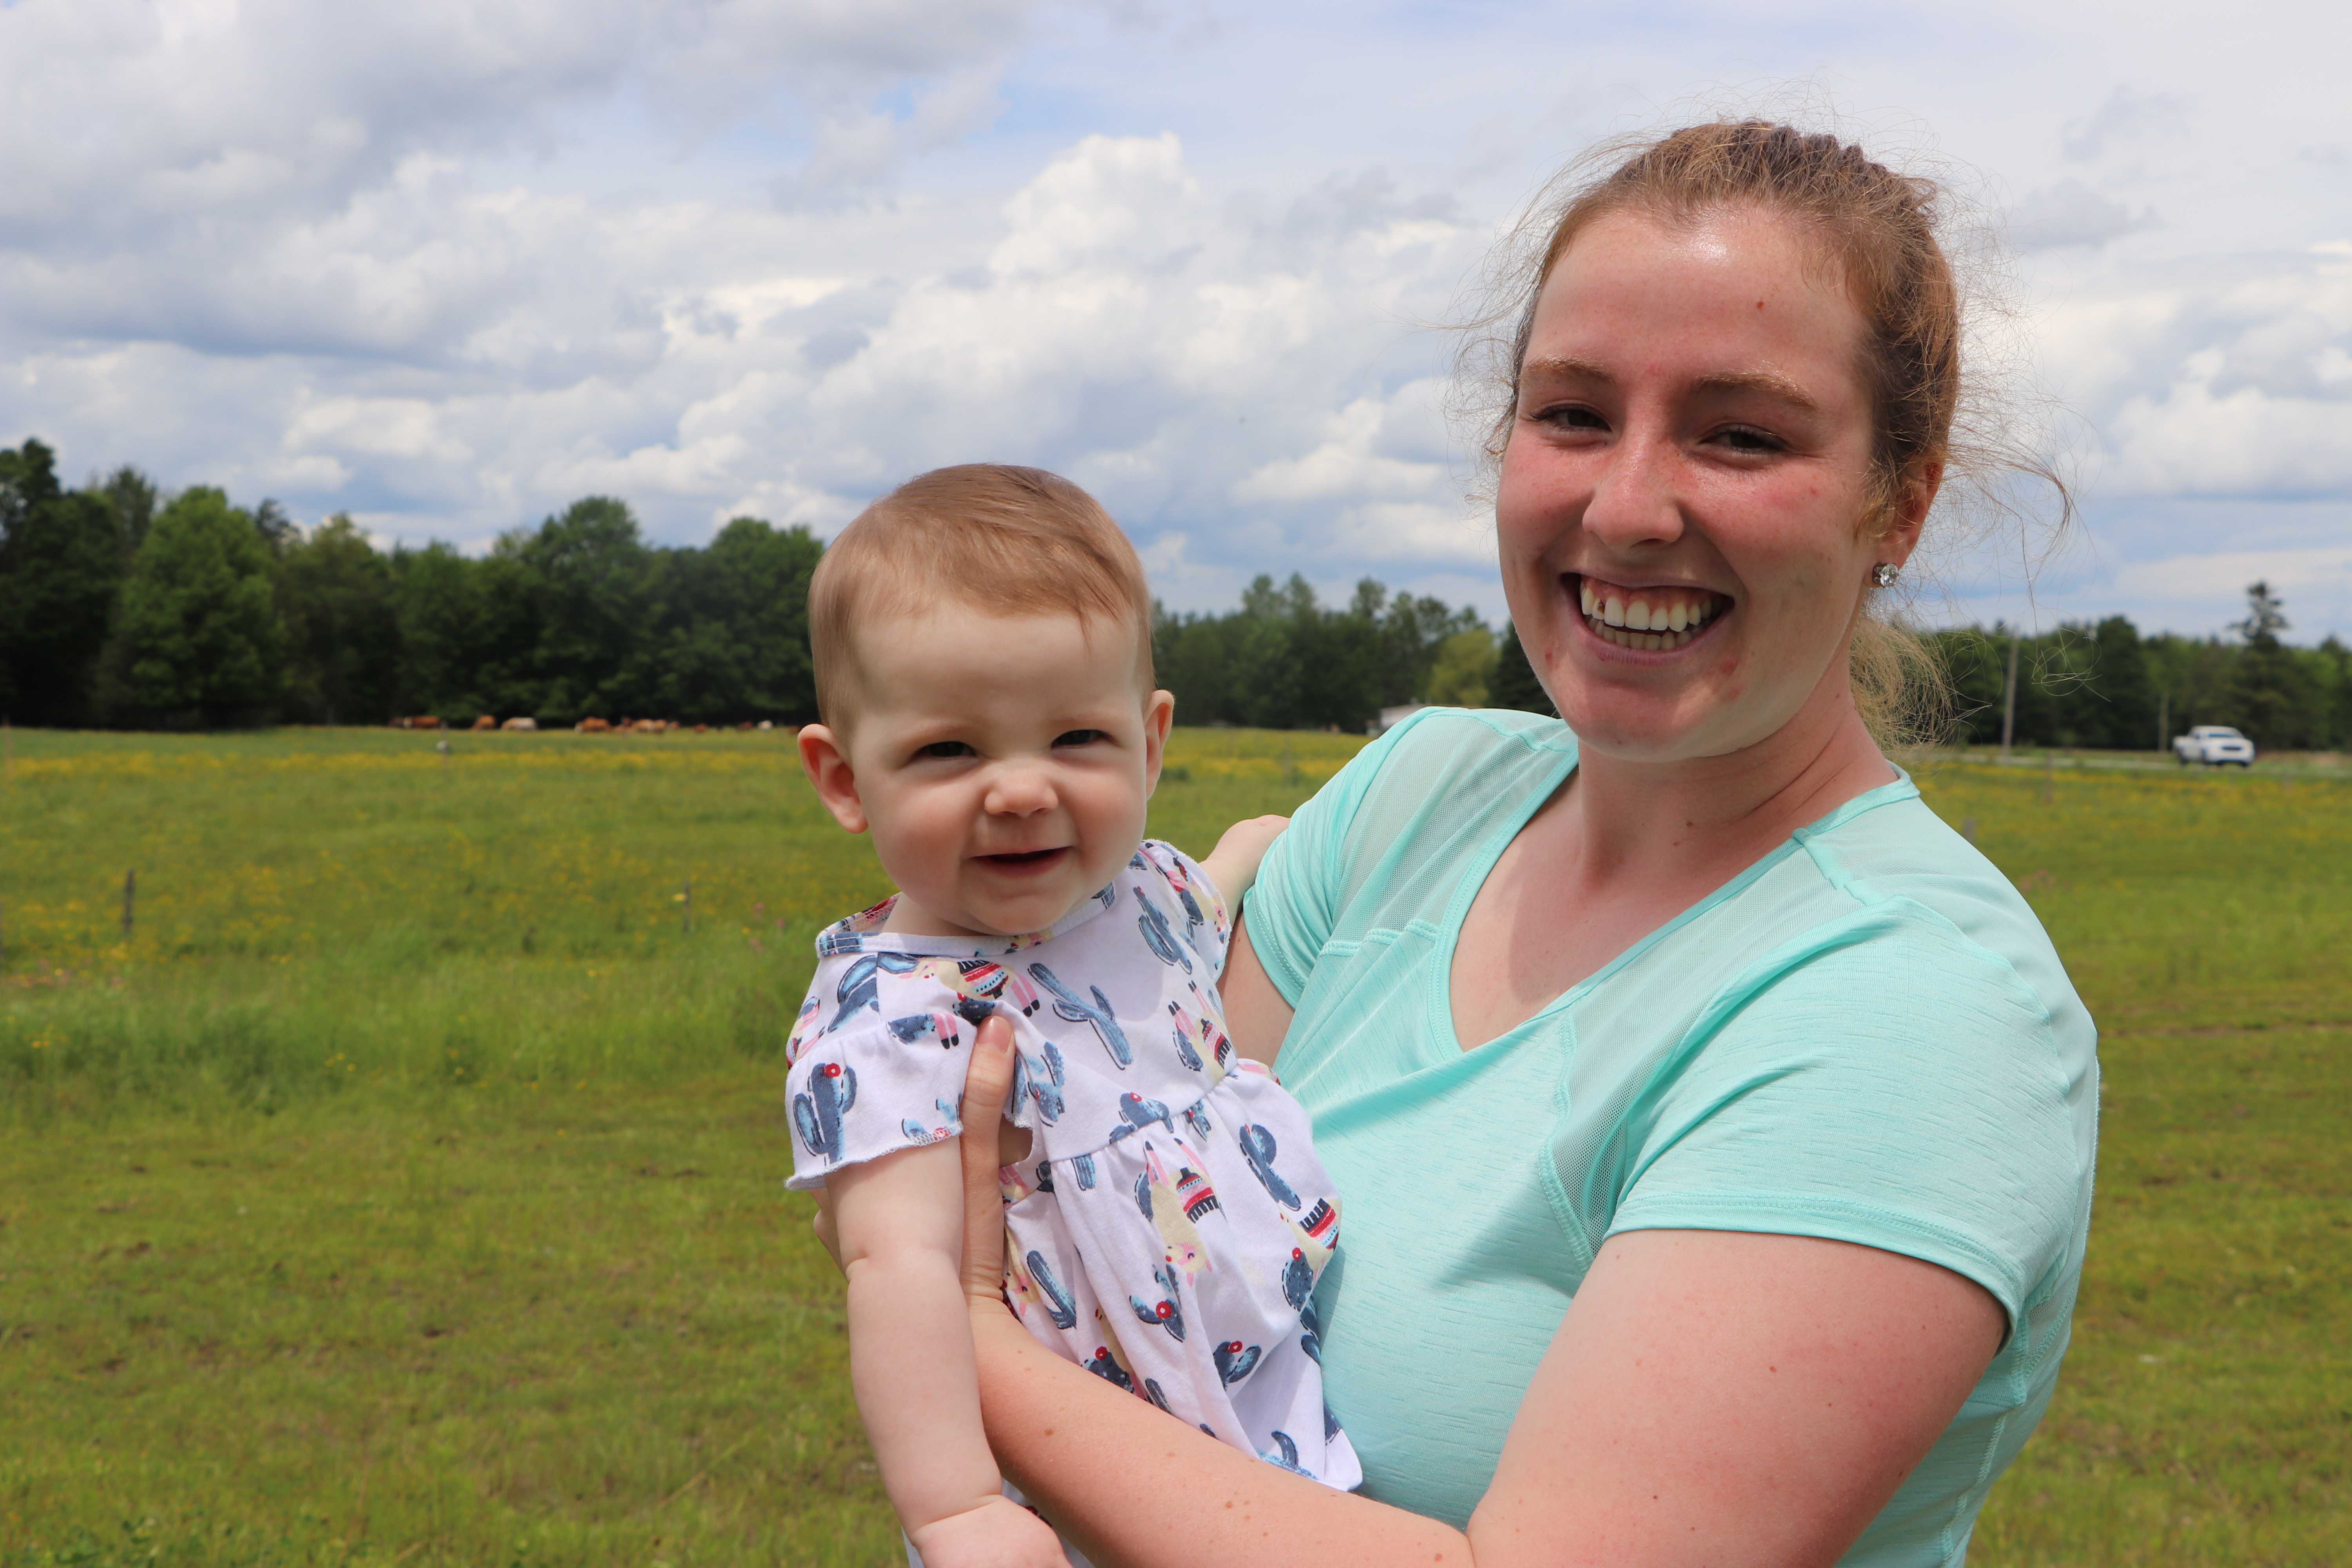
(1013, 541)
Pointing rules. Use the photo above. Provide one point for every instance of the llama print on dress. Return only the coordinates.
(939, 1023)
(861, 982)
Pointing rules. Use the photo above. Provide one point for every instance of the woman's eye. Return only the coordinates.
(1744, 438)
(1079, 737)
(945, 749)
(1570, 417)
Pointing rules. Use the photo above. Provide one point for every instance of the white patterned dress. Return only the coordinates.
(1169, 1227)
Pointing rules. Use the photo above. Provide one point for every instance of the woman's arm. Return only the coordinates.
(1257, 1017)
(1711, 1397)
(910, 1362)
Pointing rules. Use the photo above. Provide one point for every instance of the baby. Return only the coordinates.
(983, 665)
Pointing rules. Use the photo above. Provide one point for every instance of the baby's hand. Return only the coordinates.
(999, 1534)
(1233, 864)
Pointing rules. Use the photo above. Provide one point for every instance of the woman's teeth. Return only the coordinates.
(1652, 619)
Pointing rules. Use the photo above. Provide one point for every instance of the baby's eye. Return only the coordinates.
(1079, 737)
(945, 749)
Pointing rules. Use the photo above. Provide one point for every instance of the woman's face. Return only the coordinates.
(1683, 494)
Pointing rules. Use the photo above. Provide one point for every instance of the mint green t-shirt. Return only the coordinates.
(1865, 1036)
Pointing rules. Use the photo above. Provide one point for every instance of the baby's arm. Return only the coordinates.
(1233, 864)
(899, 1220)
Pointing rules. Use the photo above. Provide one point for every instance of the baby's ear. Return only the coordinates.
(1159, 713)
(826, 761)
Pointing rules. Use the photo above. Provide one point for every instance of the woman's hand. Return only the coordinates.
(986, 1082)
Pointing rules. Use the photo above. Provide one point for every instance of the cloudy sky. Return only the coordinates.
(448, 264)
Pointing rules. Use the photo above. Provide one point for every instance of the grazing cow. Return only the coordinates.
(702, 728)
(486, 722)
(425, 721)
(647, 727)
(593, 727)
(521, 725)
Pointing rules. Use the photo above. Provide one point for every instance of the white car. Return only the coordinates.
(2213, 744)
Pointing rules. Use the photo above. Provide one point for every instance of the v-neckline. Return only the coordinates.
(1441, 1030)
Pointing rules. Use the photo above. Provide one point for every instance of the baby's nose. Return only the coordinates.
(1017, 791)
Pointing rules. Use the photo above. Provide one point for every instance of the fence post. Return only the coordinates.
(2164, 721)
(687, 895)
(129, 889)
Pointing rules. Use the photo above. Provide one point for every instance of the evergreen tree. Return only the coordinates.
(198, 639)
(61, 571)
(2270, 690)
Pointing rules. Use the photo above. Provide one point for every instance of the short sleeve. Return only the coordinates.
(1200, 916)
(873, 1088)
(1885, 1082)
(1294, 904)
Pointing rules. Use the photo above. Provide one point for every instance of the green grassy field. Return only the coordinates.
(404, 1186)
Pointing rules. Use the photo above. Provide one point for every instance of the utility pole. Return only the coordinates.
(2008, 700)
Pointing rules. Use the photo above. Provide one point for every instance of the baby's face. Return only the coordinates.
(1002, 764)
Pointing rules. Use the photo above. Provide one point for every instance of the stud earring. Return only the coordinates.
(1885, 573)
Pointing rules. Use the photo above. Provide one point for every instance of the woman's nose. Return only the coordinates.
(1635, 501)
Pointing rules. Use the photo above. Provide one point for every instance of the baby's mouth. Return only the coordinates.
(1022, 860)
(1652, 620)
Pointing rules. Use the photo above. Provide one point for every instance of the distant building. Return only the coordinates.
(1391, 717)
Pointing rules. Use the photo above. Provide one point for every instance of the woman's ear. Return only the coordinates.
(826, 761)
(1909, 512)
(1158, 712)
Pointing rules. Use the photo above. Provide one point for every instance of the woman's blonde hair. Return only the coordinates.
(1883, 230)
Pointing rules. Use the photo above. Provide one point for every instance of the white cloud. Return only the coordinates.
(448, 267)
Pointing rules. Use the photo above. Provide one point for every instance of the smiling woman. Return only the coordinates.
(1716, 1126)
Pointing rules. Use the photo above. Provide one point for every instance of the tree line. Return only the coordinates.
(2102, 685)
(123, 605)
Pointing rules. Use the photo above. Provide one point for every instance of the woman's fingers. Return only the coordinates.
(985, 1085)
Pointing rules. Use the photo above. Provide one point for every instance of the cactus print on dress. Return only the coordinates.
(1167, 1230)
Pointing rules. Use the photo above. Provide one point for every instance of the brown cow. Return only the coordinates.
(522, 724)
(593, 727)
(486, 722)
